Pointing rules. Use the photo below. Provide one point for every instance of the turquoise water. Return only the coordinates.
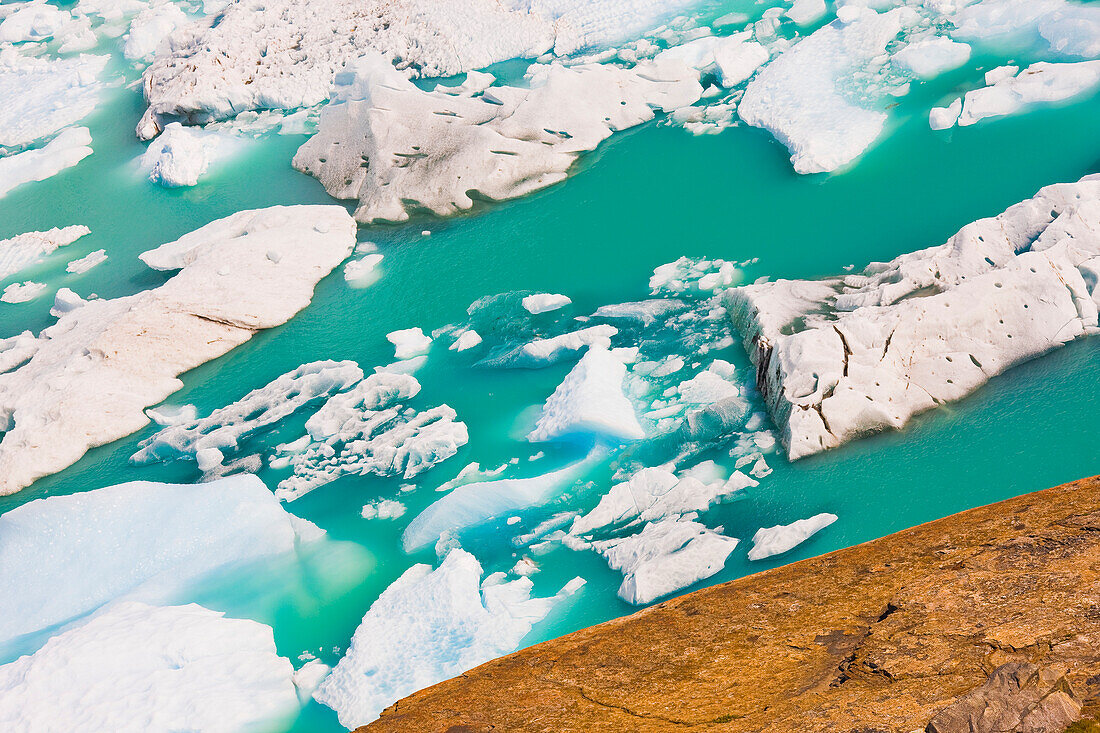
(647, 197)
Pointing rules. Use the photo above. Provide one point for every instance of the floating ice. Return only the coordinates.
(362, 272)
(369, 430)
(223, 430)
(1009, 93)
(409, 342)
(64, 556)
(101, 365)
(928, 58)
(474, 503)
(399, 149)
(22, 292)
(150, 29)
(943, 118)
(383, 509)
(33, 21)
(42, 96)
(666, 556)
(782, 538)
(543, 352)
(468, 339)
(38, 164)
(590, 403)
(840, 358)
(427, 626)
(543, 302)
(804, 97)
(24, 250)
(135, 667)
(181, 155)
(657, 493)
(1048, 26)
(65, 300)
(807, 12)
(87, 262)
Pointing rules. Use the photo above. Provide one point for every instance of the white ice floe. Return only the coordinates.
(782, 538)
(83, 264)
(1065, 29)
(182, 155)
(38, 164)
(383, 509)
(468, 339)
(362, 272)
(806, 12)
(589, 403)
(930, 57)
(472, 504)
(208, 439)
(1010, 93)
(544, 302)
(34, 21)
(657, 493)
(430, 625)
(666, 556)
(22, 292)
(24, 250)
(943, 118)
(399, 149)
(809, 98)
(42, 95)
(97, 369)
(851, 355)
(135, 667)
(64, 556)
(543, 352)
(370, 430)
(65, 300)
(150, 29)
(409, 342)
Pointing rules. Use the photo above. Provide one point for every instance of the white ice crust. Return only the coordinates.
(64, 556)
(430, 625)
(782, 538)
(135, 668)
(852, 355)
(92, 373)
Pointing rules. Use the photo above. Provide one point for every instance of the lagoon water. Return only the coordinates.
(647, 197)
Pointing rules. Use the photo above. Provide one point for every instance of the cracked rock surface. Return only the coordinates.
(984, 621)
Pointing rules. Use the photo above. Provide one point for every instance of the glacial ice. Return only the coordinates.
(383, 509)
(944, 118)
(856, 354)
(38, 164)
(370, 430)
(83, 264)
(544, 302)
(468, 339)
(45, 95)
(64, 556)
(409, 342)
(806, 12)
(930, 57)
(24, 250)
(96, 370)
(1065, 29)
(666, 556)
(22, 292)
(223, 429)
(181, 155)
(546, 351)
(427, 626)
(1041, 82)
(150, 29)
(399, 149)
(782, 538)
(803, 96)
(589, 403)
(657, 493)
(135, 667)
(474, 503)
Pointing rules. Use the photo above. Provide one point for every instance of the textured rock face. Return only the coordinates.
(988, 620)
(851, 355)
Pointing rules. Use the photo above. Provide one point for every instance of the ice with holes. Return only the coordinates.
(399, 149)
(37, 164)
(93, 373)
(769, 541)
(135, 667)
(371, 429)
(430, 625)
(851, 355)
(64, 556)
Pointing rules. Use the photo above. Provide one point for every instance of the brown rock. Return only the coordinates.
(988, 620)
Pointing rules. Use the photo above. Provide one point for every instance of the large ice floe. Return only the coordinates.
(282, 54)
(851, 355)
(65, 556)
(430, 625)
(37, 164)
(135, 667)
(86, 380)
(398, 149)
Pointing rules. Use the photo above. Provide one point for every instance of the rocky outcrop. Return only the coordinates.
(988, 620)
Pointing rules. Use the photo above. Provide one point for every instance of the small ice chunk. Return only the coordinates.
(87, 262)
(543, 352)
(22, 292)
(545, 302)
(383, 509)
(64, 301)
(409, 342)
(943, 118)
(807, 12)
(362, 272)
(1039, 83)
(927, 59)
(468, 339)
(782, 538)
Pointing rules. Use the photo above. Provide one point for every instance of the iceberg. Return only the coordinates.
(430, 625)
(95, 371)
(38, 164)
(589, 403)
(65, 556)
(135, 667)
(782, 538)
(840, 358)
(666, 556)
